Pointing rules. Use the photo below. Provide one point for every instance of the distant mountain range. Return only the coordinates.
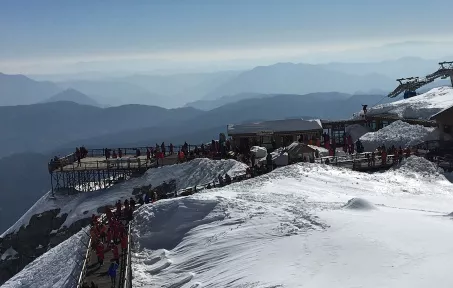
(42, 127)
(21, 90)
(73, 95)
(195, 89)
(289, 78)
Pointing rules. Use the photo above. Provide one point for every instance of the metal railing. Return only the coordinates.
(111, 164)
(126, 153)
(85, 265)
(128, 266)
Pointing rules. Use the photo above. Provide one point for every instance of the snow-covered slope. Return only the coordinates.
(398, 133)
(304, 225)
(422, 106)
(53, 269)
(198, 171)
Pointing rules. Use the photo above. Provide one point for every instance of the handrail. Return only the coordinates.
(128, 272)
(84, 266)
(70, 159)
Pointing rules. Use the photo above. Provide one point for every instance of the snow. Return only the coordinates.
(398, 133)
(322, 151)
(53, 269)
(417, 167)
(9, 253)
(82, 205)
(422, 106)
(260, 152)
(307, 225)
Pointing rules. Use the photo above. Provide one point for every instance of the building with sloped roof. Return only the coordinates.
(444, 120)
(283, 132)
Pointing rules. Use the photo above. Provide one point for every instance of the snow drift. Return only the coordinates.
(422, 106)
(418, 167)
(287, 227)
(53, 268)
(359, 204)
(397, 134)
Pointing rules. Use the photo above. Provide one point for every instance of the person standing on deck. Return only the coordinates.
(124, 245)
(162, 147)
(116, 256)
(118, 208)
(120, 153)
(126, 207)
(78, 156)
(148, 154)
(100, 254)
(112, 273)
(132, 203)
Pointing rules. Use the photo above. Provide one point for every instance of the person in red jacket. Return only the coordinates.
(124, 244)
(100, 253)
(116, 256)
(109, 235)
(148, 154)
(108, 213)
(118, 208)
(121, 230)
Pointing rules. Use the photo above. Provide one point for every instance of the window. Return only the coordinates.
(266, 139)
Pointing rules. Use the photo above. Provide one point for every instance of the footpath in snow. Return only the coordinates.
(304, 225)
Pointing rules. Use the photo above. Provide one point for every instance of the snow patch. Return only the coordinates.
(9, 253)
(397, 134)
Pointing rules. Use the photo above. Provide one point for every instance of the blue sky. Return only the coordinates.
(61, 32)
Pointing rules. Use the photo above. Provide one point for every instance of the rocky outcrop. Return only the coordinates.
(29, 242)
(43, 232)
(165, 190)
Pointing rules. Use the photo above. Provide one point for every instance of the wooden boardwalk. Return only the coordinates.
(99, 274)
(100, 163)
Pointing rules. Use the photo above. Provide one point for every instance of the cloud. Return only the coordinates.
(278, 52)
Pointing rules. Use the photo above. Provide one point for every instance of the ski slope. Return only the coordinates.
(54, 268)
(304, 225)
(422, 106)
(82, 205)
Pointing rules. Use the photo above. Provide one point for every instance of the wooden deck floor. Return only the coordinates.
(100, 163)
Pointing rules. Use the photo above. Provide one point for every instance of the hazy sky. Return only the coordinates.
(53, 36)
